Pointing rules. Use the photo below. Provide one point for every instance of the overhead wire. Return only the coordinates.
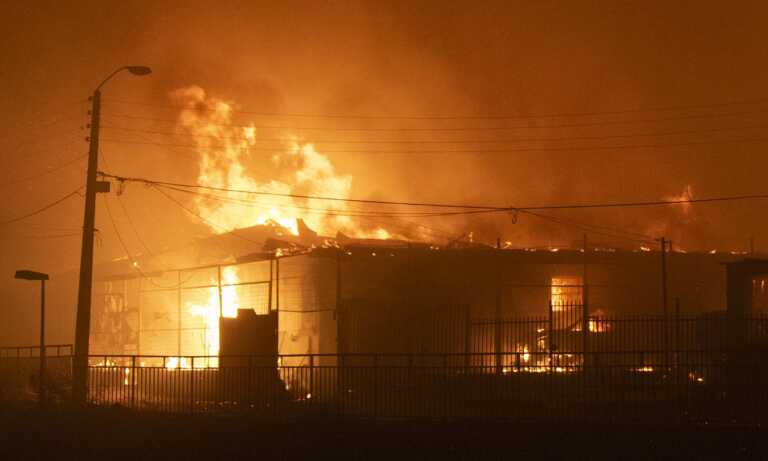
(689, 200)
(473, 209)
(478, 151)
(345, 213)
(207, 221)
(301, 196)
(459, 117)
(315, 210)
(595, 229)
(460, 141)
(104, 159)
(48, 237)
(44, 173)
(44, 208)
(460, 128)
(133, 226)
(133, 262)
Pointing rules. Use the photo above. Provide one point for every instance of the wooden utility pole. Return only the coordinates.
(83, 318)
(84, 291)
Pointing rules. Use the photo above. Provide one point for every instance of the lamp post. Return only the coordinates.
(31, 275)
(92, 187)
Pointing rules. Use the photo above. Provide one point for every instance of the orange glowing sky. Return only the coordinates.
(388, 59)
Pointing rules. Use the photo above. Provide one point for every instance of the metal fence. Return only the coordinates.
(630, 369)
(20, 372)
(442, 386)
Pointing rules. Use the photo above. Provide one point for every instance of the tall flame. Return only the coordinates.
(229, 158)
(210, 311)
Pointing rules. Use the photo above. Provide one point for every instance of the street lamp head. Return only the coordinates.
(135, 70)
(139, 70)
(30, 275)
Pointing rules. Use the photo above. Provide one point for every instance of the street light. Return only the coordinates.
(92, 187)
(32, 275)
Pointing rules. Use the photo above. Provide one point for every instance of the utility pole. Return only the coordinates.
(92, 187)
(83, 321)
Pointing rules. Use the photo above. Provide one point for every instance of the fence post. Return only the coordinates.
(467, 339)
(497, 310)
(446, 385)
(312, 376)
(191, 384)
(376, 385)
(550, 336)
(18, 369)
(133, 381)
(678, 390)
(249, 382)
(585, 309)
(414, 385)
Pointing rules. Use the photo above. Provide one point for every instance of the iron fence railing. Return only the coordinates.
(641, 369)
(692, 388)
(51, 350)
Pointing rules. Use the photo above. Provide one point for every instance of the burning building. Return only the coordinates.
(387, 296)
(270, 281)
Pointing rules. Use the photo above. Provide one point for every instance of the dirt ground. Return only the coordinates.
(106, 434)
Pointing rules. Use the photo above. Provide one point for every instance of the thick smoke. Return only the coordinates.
(379, 59)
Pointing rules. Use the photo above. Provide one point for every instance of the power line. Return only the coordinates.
(276, 194)
(46, 207)
(445, 205)
(324, 211)
(332, 213)
(18, 150)
(476, 151)
(134, 264)
(44, 173)
(460, 117)
(46, 227)
(51, 121)
(729, 198)
(461, 141)
(133, 226)
(459, 129)
(591, 228)
(212, 224)
(595, 229)
(48, 237)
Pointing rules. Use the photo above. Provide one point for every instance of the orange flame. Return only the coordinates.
(229, 158)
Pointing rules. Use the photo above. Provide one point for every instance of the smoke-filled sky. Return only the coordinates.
(467, 59)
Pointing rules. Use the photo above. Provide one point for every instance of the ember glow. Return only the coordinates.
(565, 290)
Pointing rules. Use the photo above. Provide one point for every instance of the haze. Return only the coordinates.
(390, 59)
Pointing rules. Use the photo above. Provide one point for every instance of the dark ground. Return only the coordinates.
(105, 434)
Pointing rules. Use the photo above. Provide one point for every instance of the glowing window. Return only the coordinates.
(565, 291)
